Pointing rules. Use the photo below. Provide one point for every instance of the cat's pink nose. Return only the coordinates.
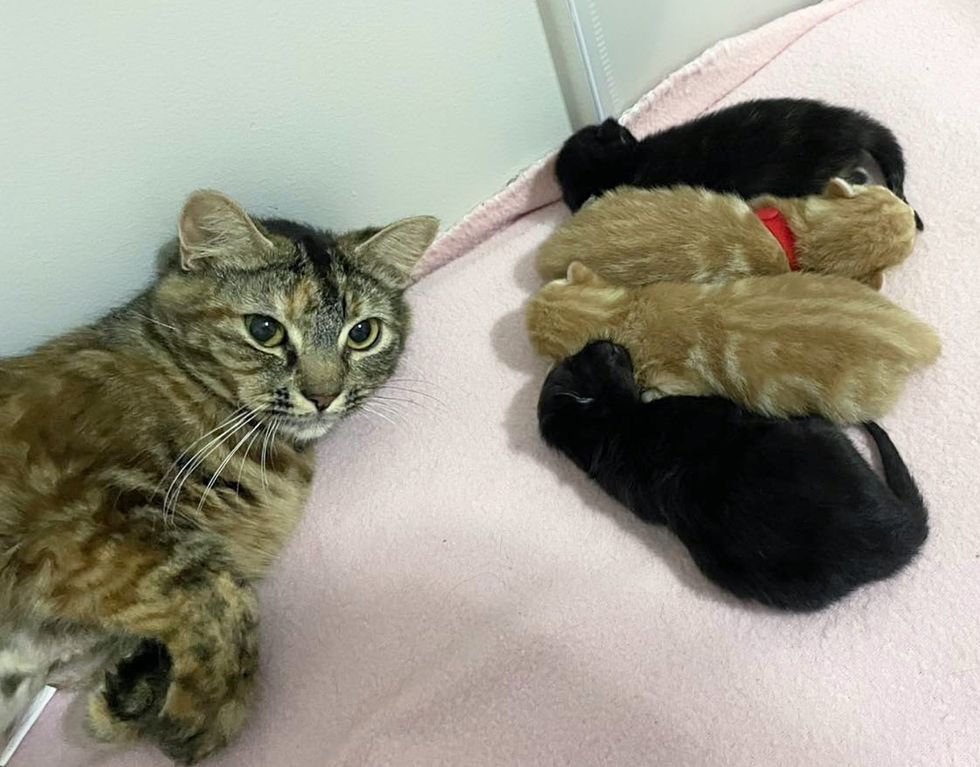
(322, 401)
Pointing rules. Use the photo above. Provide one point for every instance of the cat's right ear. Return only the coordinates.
(214, 230)
(391, 253)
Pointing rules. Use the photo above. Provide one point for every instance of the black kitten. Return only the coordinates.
(784, 512)
(784, 147)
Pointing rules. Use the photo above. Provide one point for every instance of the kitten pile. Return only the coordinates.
(720, 316)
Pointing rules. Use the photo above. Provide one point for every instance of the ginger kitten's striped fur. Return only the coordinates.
(786, 345)
(153, 464)
(685, 234)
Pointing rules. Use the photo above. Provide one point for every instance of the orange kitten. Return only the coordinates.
(787, 345)
(685, 234)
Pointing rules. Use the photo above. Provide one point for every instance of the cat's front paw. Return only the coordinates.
(195, 735)
(132, 692)
(103, 725)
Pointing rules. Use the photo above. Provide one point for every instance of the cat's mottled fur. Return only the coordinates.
(785, 512)
(634, 236)
(784, 147)
(153, 464)
(787, 345)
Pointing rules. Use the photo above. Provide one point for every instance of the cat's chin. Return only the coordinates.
(308, 429)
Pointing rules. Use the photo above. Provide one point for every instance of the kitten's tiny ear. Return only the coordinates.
(392, 253)
(213, 228)
(874, 279)
(579, 274)
(838, 187)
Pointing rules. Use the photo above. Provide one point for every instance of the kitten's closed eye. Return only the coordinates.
(582, 400)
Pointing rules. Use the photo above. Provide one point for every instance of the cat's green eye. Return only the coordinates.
(364, 334)
(265, 330)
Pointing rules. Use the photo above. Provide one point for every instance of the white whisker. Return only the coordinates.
(221, 467)
(265, 449)
(378, 413)
(154, 321)
(272, 440)
(236, 414)
(409, 390)
(248, 449)
(422, 381)
(389, 398)
(173, 492)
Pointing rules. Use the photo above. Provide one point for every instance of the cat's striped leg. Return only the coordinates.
(187, 686)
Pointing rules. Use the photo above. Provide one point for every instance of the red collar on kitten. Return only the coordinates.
(777, 224)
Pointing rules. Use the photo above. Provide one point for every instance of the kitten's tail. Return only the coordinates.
(900, 482)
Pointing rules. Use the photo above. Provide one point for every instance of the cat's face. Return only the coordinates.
(296, 324)
(585, 391)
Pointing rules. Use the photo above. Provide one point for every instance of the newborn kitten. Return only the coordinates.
(793, 344)
(635, 236)
(783, 512)
(784, 147)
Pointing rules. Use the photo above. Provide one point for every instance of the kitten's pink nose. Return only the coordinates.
(322, 401)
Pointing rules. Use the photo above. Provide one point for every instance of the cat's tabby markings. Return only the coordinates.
(153, 464)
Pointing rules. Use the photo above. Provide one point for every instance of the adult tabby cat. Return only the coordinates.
(635, 236)
(153, 464)
(783, 147)
(785, 512)
(788, 345)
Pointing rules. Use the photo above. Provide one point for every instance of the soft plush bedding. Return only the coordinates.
(459, 595)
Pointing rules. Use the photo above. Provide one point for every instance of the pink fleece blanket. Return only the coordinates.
(459, 595)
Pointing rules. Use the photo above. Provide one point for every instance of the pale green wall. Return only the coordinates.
(340, 113)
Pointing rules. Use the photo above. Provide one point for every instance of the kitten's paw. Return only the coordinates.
(651, 395)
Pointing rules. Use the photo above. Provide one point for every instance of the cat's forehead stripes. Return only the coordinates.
(354, 305)
(299, 300)
(317, 248)
(320, 252)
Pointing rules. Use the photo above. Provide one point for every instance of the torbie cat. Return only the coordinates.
(785, 147)
(153, 464)
(788, 345)
(634, 236)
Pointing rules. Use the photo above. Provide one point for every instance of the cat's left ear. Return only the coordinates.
(392, 253)
(838, 187)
